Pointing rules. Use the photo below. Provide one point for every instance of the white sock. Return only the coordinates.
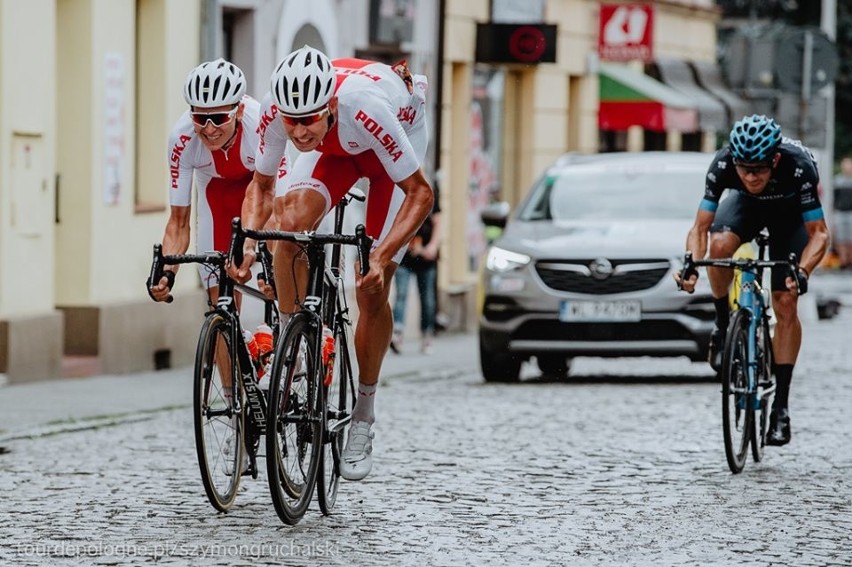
(363, 410)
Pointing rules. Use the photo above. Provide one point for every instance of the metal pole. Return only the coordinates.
(828, 24)
(211, 23)
(807, 70)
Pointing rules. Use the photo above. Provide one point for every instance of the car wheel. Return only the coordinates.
(554, 364)
(499, 366)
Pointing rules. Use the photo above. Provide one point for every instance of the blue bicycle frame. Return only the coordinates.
(751, 299)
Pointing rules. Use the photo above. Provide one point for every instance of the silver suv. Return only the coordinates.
(583, 267)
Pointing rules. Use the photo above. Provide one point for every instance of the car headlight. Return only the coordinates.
(500, 260)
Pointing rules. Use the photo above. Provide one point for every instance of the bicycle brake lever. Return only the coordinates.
(365, 243)
(235, 252)
(157, 273)
(266, 264)
(687, 270)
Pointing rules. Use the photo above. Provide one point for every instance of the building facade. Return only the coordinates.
(84, 120)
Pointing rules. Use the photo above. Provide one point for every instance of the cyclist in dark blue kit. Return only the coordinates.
(773, 184)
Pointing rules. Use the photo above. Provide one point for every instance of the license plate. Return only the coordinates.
(595, 311)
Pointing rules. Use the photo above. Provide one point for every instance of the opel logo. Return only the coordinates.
(601, 268)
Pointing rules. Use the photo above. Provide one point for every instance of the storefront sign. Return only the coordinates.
(626, 32)
(515, 43)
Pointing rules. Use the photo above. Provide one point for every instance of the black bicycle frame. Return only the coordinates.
(226, 306)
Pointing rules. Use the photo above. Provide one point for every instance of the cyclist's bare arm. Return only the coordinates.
(815, 250)
(256, 212)
(175, 241)
(416, 206)
(817, 246)
(696, 242)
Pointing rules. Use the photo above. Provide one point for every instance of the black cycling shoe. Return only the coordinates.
(717, 343)
(779, 428)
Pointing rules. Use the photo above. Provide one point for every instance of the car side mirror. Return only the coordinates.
(496, 214)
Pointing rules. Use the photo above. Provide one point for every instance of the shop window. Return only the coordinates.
(691, 142)
(392, 21)
(238, 39)
(612, 141)
(151, 180)
(654, 141)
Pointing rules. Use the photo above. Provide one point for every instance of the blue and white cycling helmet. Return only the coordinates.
(214, 83)
(755, 139)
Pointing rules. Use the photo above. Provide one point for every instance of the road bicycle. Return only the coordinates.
(229, 407)
(311, 395)
(746, 371)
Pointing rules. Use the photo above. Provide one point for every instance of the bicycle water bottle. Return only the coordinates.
(251, 343)
(263, 338)
(327, 354)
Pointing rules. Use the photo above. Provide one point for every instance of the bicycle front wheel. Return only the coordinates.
(295, 420)
(761, 401)
(217, 410)
(340, 399)
(736, 410)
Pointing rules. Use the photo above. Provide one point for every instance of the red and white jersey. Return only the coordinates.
(376, 112)
(380, 134)
(188, 155)
(221, 178)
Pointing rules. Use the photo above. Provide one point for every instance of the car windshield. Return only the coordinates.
(601, 192)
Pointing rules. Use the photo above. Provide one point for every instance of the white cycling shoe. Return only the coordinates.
(357, 458)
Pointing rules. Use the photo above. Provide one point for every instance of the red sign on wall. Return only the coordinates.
(626, 32)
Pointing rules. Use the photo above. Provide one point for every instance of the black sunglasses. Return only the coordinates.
(755, 169)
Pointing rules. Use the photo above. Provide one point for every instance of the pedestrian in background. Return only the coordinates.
(843, 213)
(420, 261)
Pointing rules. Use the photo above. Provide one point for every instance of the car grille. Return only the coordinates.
(597, 277)
(549, 330)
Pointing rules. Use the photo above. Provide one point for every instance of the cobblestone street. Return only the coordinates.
(622, 464)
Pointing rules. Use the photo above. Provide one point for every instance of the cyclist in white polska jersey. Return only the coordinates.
(216, 140)
(351, 118)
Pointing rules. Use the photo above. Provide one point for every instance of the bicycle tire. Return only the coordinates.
(760, 422)
(216, 418)
(295, 419)
(339, 400)
(736, 411)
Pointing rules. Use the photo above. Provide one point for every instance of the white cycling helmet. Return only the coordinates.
(214, 83)
(303, 82)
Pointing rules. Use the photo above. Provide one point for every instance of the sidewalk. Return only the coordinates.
(70, 404)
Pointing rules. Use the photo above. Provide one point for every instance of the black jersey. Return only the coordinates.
(794, 178)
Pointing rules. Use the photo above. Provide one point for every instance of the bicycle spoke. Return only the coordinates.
(339, 399)
(736, 413)
(294, 425)
(218, 424)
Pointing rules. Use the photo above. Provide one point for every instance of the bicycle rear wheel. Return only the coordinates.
(295, 420)
(218, 417)
(761, 404)
(340, 399)
(736, 410)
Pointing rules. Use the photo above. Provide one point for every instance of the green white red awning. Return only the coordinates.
(629, 98)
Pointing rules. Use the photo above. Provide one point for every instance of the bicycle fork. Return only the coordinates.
(758, 385)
